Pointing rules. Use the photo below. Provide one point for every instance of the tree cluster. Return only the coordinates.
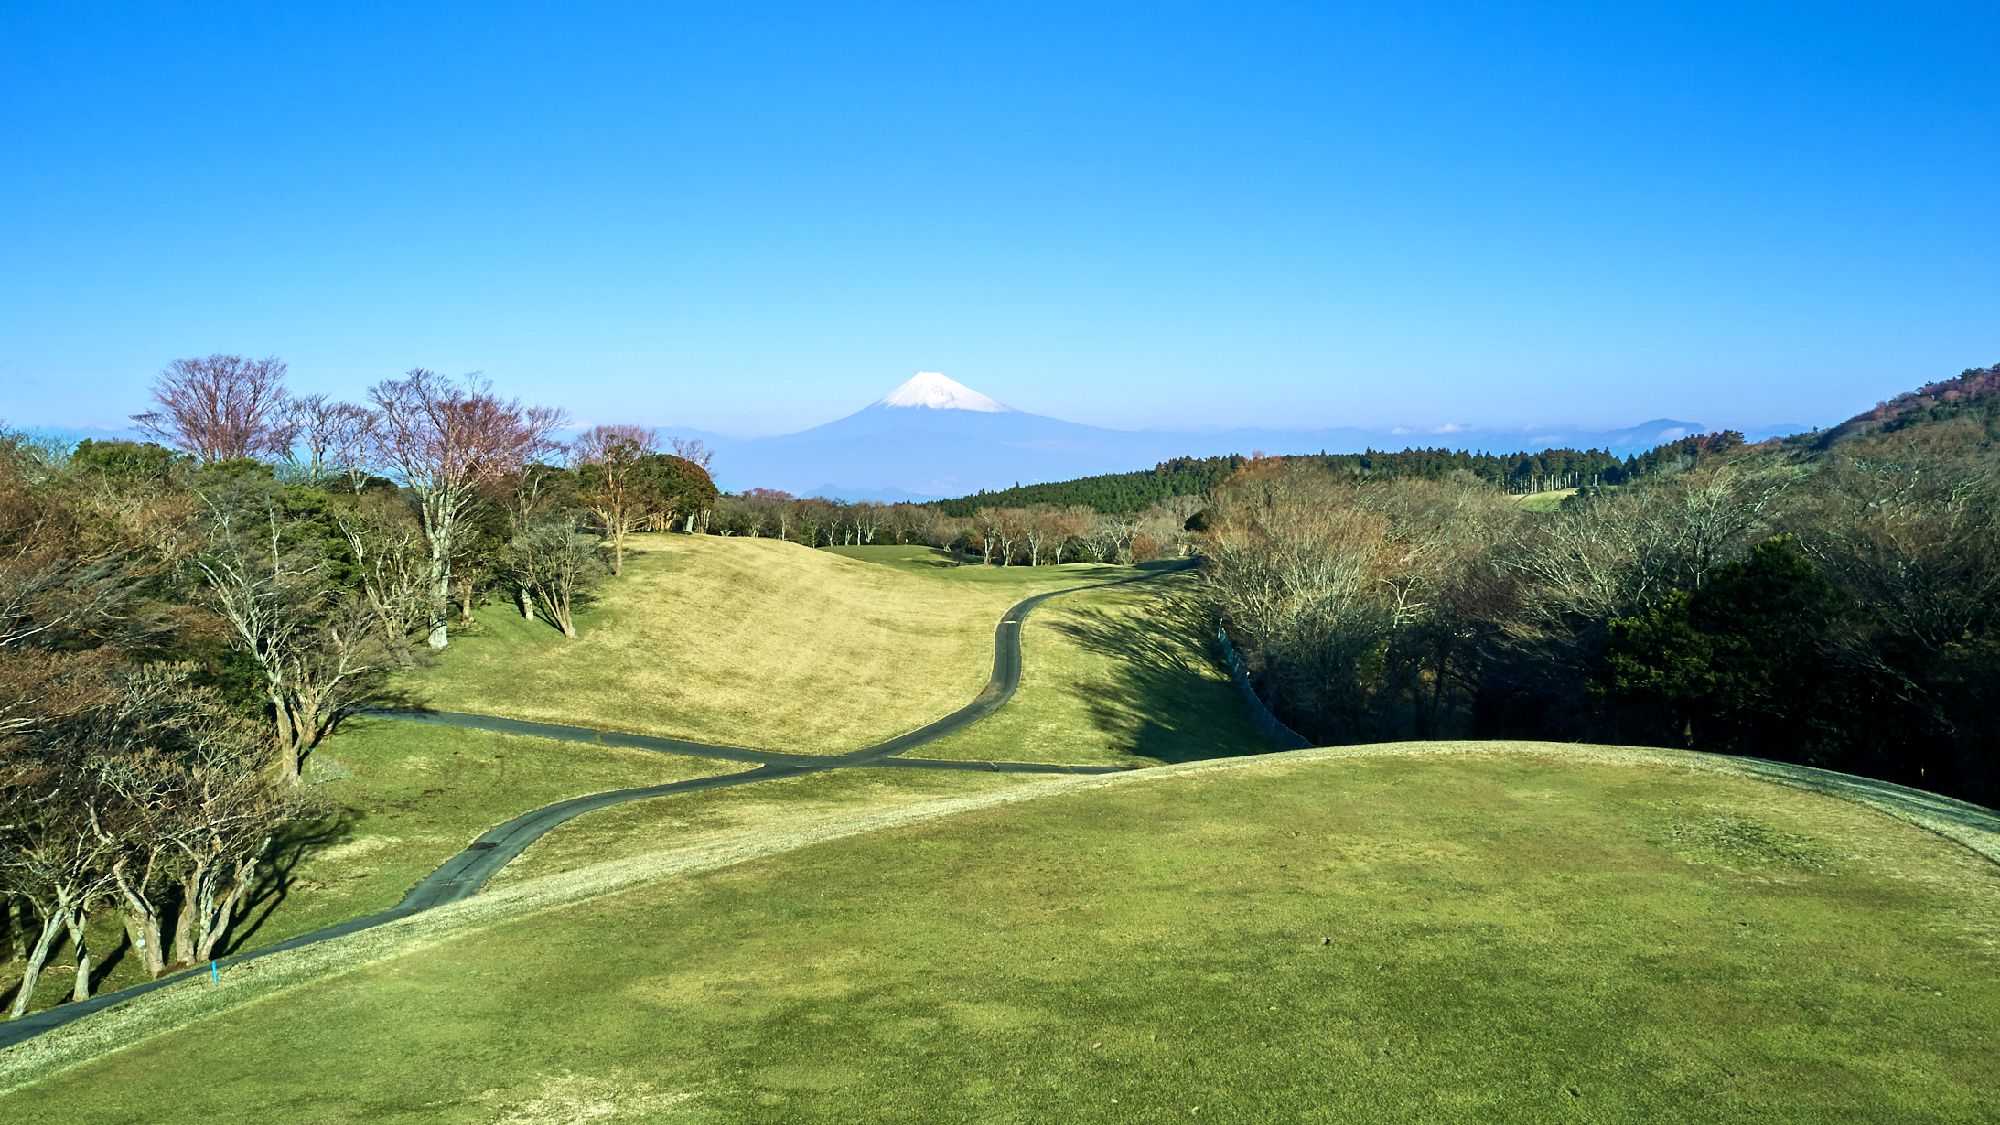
(181, 625)
(1183, 477)
(1035, 535)
(1842, 610)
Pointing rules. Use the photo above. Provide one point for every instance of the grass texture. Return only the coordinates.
(751, 642)
(1450, 931)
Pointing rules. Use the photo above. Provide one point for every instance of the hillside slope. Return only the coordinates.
(1974, 396)
(749, 642)
(1471, 931)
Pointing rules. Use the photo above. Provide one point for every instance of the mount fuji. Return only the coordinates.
(933, 437)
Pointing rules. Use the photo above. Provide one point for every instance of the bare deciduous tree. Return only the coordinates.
(609, 458)
(556, 563)
(392, 565)
(331, 437)
(445, 440)
(695, 450)
(308, 638)
(221, 407)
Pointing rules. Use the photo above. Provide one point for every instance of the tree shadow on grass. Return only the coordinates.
(295, 843)
(1165, 701)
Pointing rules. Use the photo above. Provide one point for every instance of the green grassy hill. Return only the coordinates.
(752, 642)
(1484, 931)
(1446, 931)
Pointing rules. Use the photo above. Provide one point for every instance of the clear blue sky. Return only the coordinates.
(756, 218)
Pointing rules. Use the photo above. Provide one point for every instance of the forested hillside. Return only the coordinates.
(1111, 493)
(1125, 493)
(1974, 396)
(1836, 604)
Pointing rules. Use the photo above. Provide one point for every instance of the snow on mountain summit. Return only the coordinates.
(933, 390)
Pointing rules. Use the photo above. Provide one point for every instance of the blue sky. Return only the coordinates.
(754, 218)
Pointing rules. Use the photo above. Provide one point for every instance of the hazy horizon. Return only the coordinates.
(1424, 434)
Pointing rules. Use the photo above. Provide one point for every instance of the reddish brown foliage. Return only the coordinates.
(222, 407)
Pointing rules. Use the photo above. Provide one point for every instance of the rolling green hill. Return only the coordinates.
(1444, 931)
(1476, 930)
(751, 642)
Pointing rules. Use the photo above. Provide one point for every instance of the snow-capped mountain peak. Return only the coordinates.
(931, 389)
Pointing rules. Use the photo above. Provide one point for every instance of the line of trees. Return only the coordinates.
(1841, 610)
(1035, 535)
(182, 623)
(1171, 483)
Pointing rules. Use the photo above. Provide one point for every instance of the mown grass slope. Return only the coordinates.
(751, 642)
(1119, 676)
(1545, 501)
(1482, 933)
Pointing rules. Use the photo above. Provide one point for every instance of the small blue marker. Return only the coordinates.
(214, 974)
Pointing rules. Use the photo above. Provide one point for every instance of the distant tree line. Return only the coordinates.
(1036, 535)
(1838, 607)
(1110, 493)
(1548, 470)
(182, 623)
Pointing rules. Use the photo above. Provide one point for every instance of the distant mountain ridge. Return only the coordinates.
(933, 437)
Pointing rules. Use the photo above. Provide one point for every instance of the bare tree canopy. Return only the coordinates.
(609, 458)
(695, 450)
(446, 439)
(330, 437)
(222, 407)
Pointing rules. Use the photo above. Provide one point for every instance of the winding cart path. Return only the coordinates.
(468, 872)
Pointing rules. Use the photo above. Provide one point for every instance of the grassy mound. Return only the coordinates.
(1119, 676)
(1427, 932)
(752, 642)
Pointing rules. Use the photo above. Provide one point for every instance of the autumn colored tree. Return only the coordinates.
(222, 407)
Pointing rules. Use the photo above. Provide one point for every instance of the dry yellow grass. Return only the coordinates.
(1545, 501)
(749, 642)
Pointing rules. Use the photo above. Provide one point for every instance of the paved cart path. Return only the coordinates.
(466, 873)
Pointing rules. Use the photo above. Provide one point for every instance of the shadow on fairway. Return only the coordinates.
(1165, 703)
(299, 841)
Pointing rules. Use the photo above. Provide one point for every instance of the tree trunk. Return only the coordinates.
(285, 738)
(184, 924)
(440, 588)
(223, 915)
(75, 922)
(32, 972)
(142, 928)
(142, 919)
